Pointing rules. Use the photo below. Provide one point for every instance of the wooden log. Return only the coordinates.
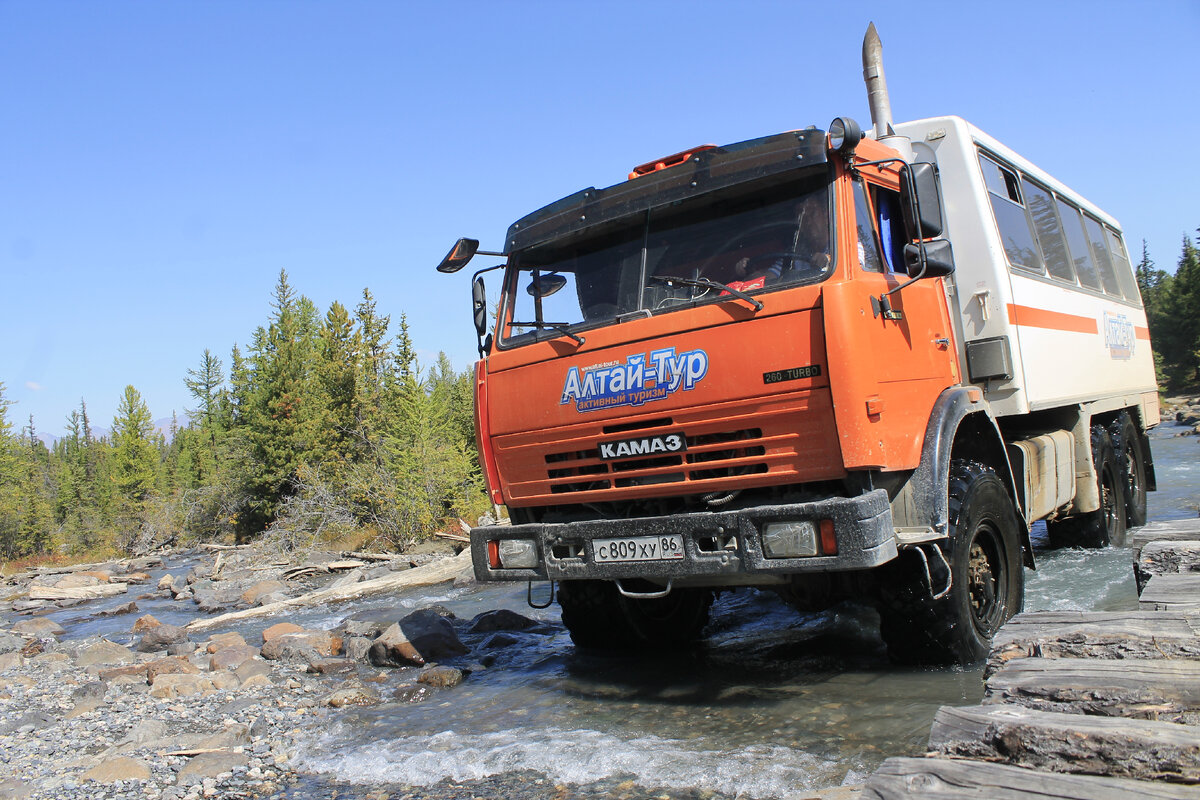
(1096, 634)
(1074, 743)
(1171, 593)
(1139, 688)
(1162, 557)
(78, 592)
(445, 569)
(370, 556)
(946, 778)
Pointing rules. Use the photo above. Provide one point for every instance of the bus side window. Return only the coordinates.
(868, 245)
(890, 225)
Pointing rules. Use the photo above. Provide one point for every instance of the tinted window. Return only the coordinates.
(868, 247)
(1049, 232)
(1016, 231)
(1081, 258)
(1100, 251)
(890, 226)
(1121, 265)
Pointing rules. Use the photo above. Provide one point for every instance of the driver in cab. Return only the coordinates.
(802, 251)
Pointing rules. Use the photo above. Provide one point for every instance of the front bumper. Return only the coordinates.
(715, 543)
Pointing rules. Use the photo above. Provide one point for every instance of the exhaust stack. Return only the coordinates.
(877, 95)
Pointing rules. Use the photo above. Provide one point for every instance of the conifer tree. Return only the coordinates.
(135, 470)
(10, 479)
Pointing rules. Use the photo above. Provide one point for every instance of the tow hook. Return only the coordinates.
(529, 596)
(643, 595)
(920, 550)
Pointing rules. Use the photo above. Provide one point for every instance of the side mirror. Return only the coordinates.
(939, 259)
(479, 306)
(462, 252)
(545, 285)
(919, 201)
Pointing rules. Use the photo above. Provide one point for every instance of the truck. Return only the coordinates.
(834, 365)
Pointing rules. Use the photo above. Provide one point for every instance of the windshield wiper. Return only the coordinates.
(708, 283)
(561, 327)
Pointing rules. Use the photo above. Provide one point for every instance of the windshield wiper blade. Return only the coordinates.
(708, 283)
(561, 327)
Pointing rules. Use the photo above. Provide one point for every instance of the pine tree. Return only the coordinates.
(135, 472)
(10, 479)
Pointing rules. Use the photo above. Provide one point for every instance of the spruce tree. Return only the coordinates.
(135, 460)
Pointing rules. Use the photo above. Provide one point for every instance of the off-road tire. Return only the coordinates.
(600, 617)
(988, 580)
(1106, 525)
(1131, 468)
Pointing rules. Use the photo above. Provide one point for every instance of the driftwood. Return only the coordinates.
(370, 556)
(946, 778)
(1138, 688)
(1166, 558)
(219, 547)
(1097, 634)
(442, 570)
(1171, 593)
(454, 537)
(1023, 737)
(314, 569)
(77, 593)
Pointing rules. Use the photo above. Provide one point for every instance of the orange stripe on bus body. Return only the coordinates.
(1030, 317)
(1141, 333)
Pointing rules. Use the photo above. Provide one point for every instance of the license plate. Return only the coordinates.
(639, 548)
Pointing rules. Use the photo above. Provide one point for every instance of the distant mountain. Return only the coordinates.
(162, 425)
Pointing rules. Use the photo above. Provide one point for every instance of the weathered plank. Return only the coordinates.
(1138, 688)
(1096, 634)
(1074, 743)
(1171, 593)
(1166, 558)
(77, 592)
(1177, 531)
(445, 569)
(953, 778)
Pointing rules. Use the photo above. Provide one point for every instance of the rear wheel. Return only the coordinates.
(986, 572)
(1105, 525)
(599, 616)
(1131, 468)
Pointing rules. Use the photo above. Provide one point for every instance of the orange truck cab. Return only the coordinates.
(752, 365)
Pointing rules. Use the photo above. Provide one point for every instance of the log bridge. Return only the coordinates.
(1077, 704)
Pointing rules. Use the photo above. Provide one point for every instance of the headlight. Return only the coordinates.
(789, 539)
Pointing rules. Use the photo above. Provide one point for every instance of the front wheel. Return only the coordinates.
(600, 617)
(986, 572)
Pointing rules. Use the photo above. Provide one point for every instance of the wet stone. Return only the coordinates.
(501, 619)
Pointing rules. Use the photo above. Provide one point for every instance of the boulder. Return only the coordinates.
(87, 697)
(440, 676)
(279, 629)
(124, 608)
(302, 646)
(254, 668)
(351, 696)
(356, 648)
(145, 623)
(166, 582)
(160, 636)
(432, 635)
(136, 577)
(10, 643)
(393, 648)
(12, 660)
(210, 765)
(219, 641)
(104, 653)
(252, 595)
(501, 619)
(38, 627)
(121, 768)
(173, 685)
(169, 666)
(499, 639)
(79, 580)
(231, 657)
(331, 666)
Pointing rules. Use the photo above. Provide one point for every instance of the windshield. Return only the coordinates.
(748, 241)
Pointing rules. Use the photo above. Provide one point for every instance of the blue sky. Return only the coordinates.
(161, 162)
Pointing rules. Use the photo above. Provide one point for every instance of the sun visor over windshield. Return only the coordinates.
(705, 171)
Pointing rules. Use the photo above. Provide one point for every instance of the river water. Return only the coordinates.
(775, 704)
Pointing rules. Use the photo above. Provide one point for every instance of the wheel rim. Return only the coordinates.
(1108, 501)
(1133, 475)
(987, 592)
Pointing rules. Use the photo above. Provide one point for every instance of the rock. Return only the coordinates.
(331, 666)
(181, 649)
(87, 698)
(121, 768)
(124, 608)
(14, 789)
(173, 685)
(10, 643)
(252, 595)
(145, 732)
(501, 619)
(351, 696)
(254, 668)
(393, 648)
(432, 635)
(349, 579)
(499, 639)
(11, 660)
(137, 671)
(221, 640)
(356, 647)
(440, 676)
(232, 657)
(166, 582)
(302, 646)
(136, 577)
(160, 636)
(79, 580)
(412, 693)
(104, 653)
(39, 627)
(145, 623)
(169, 666)
(210, 765)
(279, 629)
(364, 625)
